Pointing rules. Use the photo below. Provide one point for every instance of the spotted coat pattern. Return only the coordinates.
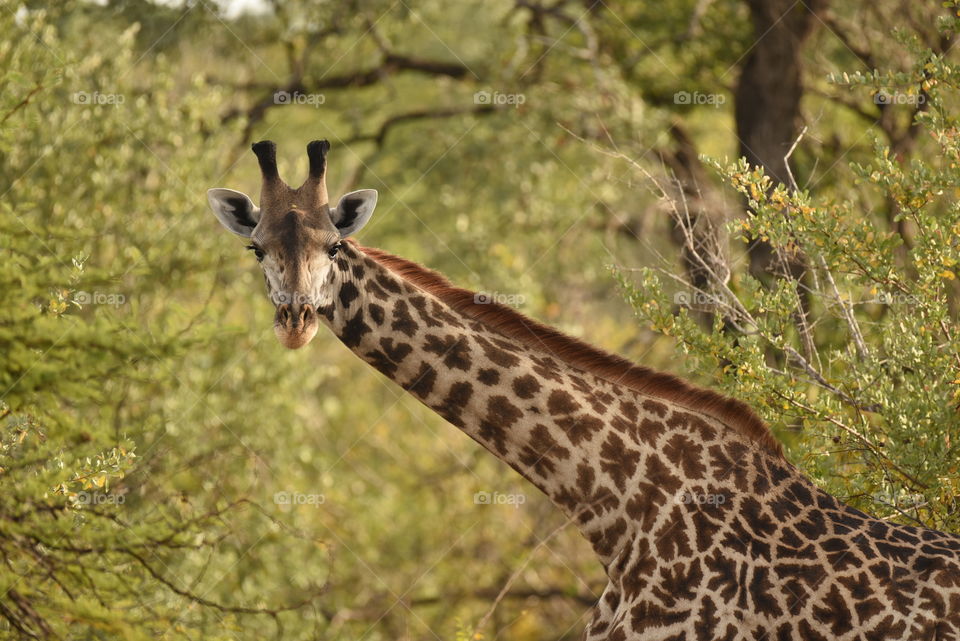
(704, 534)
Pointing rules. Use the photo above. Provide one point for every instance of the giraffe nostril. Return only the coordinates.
(283, 313)
(306, 314)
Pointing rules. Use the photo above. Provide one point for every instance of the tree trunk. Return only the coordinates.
(767, 97)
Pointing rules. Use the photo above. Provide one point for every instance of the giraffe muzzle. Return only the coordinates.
(295, 325)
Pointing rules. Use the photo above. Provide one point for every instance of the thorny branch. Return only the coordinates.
(735, 313)
(845, 308)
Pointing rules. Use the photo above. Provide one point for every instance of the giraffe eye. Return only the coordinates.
(332, 252)
(256, 252)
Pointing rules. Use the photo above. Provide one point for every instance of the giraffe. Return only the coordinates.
(704, 529)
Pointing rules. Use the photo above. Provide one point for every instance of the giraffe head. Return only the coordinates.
(295, 235)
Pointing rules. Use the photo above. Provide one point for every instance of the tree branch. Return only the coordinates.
(419, 114)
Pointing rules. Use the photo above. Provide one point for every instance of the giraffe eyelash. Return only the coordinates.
(256, 252)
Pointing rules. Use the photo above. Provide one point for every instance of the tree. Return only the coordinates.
(97, 538)
(266, 493)
(877, 399)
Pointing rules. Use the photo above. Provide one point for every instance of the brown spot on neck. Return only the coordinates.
(610, 367)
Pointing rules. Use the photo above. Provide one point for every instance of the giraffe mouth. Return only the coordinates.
(295, 327)
(295, 339)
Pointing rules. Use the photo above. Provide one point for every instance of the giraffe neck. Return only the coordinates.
(584, 441)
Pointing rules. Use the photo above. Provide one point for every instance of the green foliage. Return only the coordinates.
(170, 472)
(98, 536)
(873, 410)
(150, 423)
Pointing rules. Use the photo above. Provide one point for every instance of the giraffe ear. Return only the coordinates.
(234, 210)
(353, 211)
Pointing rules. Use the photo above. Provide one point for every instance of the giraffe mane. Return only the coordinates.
(575, 352)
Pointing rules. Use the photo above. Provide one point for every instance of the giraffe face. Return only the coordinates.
(295, 236)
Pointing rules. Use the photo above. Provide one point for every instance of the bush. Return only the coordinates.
(852, 350)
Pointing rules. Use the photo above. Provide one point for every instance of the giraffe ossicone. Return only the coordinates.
(705, 531)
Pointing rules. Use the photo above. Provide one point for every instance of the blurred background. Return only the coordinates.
(169, 471)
